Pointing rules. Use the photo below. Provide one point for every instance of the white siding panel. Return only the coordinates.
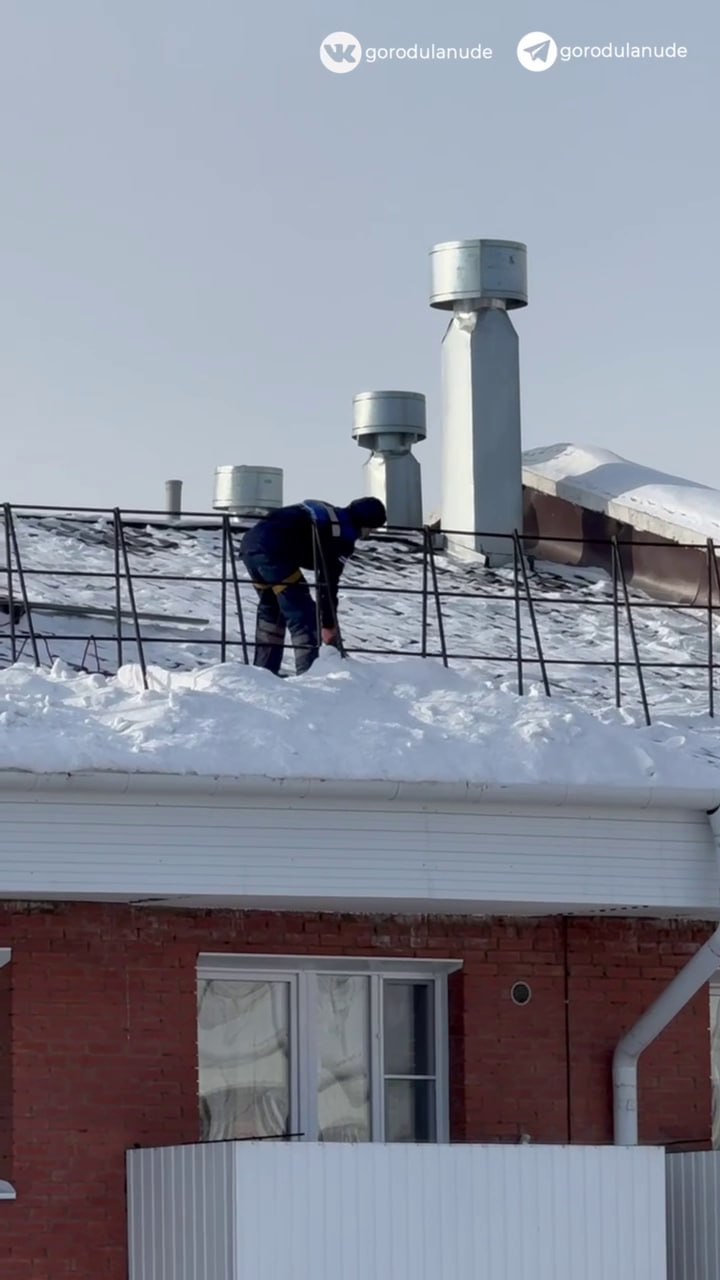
(436, 1213)
(308, 853)
(310, 1211)
(693, 1209)
(180, 1213)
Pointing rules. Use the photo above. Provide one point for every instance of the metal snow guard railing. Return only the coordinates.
(17, 601)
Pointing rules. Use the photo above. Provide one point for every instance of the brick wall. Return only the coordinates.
(5, 1078)
(103, 1045)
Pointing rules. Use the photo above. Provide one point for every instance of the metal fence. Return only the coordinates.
(519, 590)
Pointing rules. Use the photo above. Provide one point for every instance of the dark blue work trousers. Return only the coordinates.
(284, 601)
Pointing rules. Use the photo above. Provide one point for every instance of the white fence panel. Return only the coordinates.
(693, 1214)
(180, 1206)
(306, 1211)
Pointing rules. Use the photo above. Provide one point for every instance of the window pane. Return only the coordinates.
(343, 1039)
(408, 1028)
(409, 1110)
(243, 1041)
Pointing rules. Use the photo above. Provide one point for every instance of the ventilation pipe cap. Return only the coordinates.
(389, 421)
(248, 491)
(478, 273)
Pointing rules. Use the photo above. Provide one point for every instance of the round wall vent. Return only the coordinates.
(521, 993)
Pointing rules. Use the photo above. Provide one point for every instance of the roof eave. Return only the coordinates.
(427, 793)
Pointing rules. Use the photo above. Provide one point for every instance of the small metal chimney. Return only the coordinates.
(480, 281)
(389, 423)
(248, 491)
(173, 498)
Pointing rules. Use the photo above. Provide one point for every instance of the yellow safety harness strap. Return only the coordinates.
(278, 587)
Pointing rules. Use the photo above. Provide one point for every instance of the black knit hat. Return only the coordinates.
(367, 513)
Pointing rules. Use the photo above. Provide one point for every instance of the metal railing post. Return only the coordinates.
(223, 596)
(131, 595)
(616, 631)
(21, 579)
(236, 588)
(710, 647)
(518, 623)
(316, 577)
(424, 614)
(712, 551)
(438, 606)
(631, 628)
(531, 610)
(319, 557)
(118, 592)
(10, 586)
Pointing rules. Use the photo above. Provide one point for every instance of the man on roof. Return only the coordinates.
(309, 535)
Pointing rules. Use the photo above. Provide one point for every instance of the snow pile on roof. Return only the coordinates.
(649, 500)
(404, 720)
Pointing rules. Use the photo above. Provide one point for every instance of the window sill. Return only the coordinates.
(7, 1192)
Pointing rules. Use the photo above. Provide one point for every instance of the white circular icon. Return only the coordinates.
(537, 51)
(340, 52)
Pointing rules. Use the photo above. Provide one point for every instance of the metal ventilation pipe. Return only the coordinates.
(479, 281)
(389, 423)
(173, 497)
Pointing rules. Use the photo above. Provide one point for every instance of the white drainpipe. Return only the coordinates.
(673, 999)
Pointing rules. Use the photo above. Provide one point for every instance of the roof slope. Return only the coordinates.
(402, 719)
(651, 501)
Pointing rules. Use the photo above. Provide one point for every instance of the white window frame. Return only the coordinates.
(7, 1190)
(300, 973)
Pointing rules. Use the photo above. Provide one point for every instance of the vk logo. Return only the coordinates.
(340, 52)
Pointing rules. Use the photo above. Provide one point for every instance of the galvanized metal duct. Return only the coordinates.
(389, 423)
(479, 281)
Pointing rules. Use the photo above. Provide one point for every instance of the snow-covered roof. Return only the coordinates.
(384, 717)
(649, 500)
(407, 720)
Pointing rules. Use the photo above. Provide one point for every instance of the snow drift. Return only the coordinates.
(404, 720)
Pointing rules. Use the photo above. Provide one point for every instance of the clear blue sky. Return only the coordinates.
(208, 242)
